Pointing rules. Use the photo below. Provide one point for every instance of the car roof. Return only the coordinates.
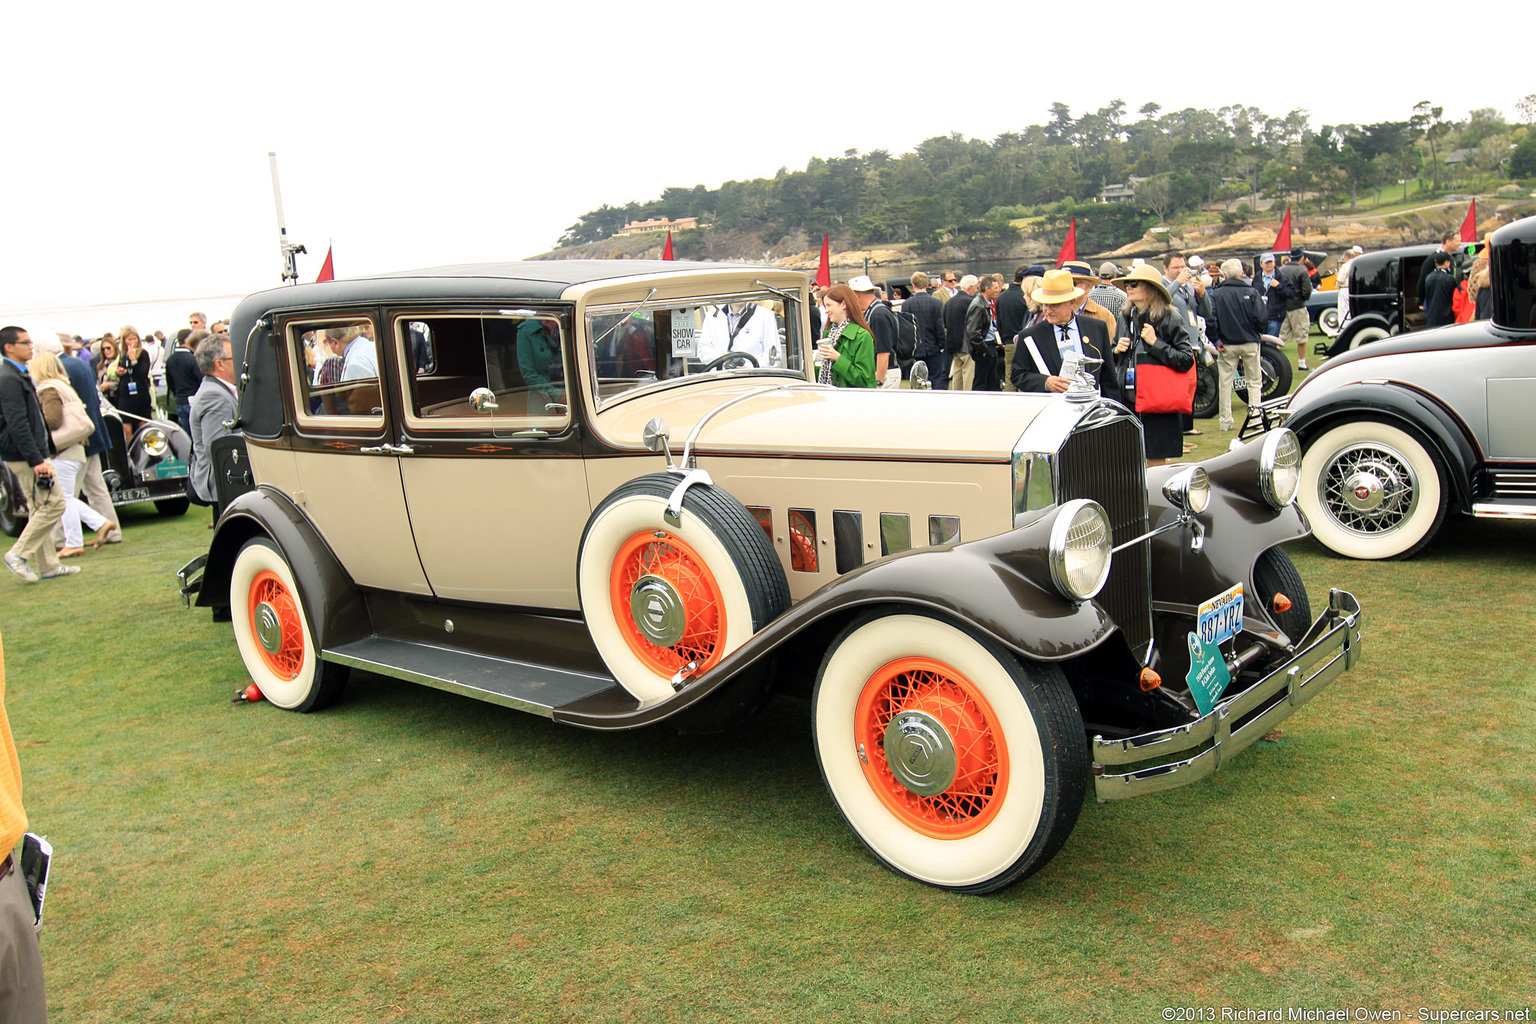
(526, 280)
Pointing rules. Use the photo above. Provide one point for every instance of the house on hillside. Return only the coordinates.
(1121, 193)
(636, 227)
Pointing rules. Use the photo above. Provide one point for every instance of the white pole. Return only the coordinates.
(289, 251)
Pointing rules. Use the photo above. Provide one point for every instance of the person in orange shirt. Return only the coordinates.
(22, 998)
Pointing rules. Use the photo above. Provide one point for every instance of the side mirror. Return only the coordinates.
(654, 435)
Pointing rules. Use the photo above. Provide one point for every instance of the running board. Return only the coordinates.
(1491, 510)
(520, 685)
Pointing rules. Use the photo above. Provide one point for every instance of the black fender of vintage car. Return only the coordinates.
(1354, 325)
(999, 586)
(1401, 406)
(331, 600)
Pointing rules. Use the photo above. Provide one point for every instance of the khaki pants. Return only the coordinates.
(47, 506)
(1295, 327)
(22, 998)
(1226, 365)
(962, 373)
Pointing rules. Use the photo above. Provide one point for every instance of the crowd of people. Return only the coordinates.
(53, 436)
(985, 334)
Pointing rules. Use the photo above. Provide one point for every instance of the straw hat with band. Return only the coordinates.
(1056, 286)
(1147, 275)
(1080, 271)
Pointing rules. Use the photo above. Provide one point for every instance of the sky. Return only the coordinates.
(416, 135)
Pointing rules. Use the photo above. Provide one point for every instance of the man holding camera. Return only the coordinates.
(26, 445)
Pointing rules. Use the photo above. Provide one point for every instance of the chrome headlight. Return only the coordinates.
(1280, 467)
(1189, 490)
(156, 443)
(1080, 549)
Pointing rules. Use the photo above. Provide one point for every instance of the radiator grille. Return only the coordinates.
(1107, 463)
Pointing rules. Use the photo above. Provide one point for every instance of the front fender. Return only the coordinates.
(1401, 406)
(996, 585)
(331, 600)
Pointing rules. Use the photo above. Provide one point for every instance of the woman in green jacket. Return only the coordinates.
(847, 350)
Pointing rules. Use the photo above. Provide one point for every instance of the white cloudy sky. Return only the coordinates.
(447, 132)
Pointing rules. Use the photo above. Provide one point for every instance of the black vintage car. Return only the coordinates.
(1384, 296)
(153, 468)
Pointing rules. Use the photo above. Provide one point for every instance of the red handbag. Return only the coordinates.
(1161, 389)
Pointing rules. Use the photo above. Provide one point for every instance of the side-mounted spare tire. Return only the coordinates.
(661, 598)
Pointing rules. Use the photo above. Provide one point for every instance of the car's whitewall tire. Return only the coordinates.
(1013, 732)
(273, 632)
(1371, 490)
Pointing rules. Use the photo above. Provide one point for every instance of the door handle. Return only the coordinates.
(389, 449)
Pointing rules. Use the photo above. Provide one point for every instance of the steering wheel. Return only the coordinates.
(719, 361)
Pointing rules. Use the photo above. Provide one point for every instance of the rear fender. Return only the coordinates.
(1404, 407)
(335, 608)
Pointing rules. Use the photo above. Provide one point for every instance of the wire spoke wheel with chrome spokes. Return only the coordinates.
(955, 762)
(1372, 490)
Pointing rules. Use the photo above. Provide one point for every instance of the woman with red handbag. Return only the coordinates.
(1161, 372)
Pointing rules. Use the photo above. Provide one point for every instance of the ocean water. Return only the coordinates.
(148, 315)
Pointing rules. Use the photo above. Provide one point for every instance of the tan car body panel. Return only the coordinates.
(932, 426)
(372, 539)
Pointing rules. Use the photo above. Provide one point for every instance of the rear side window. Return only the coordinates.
(1373, 277)
(485, 370)
(336, 363)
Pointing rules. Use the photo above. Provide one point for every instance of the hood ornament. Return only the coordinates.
(1082, 371)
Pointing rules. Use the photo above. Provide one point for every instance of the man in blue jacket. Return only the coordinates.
(1236, 323)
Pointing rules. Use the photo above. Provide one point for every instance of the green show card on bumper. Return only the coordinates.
(1208, 676)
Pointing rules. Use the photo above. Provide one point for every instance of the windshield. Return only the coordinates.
(636, 346)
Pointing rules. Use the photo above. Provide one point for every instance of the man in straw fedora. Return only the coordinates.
(1084, 277)
(1042, 348)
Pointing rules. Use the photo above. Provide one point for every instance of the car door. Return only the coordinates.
(346, 476)
(491, 462)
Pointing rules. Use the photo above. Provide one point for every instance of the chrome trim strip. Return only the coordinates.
(1332, 647)
(1489, 511)
(698, 428)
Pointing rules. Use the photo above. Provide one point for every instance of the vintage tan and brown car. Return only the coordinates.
(573, 489)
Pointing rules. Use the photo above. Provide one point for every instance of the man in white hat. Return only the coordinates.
(882, 324)
(1042, 348)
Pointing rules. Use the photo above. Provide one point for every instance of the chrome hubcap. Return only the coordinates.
(269, 629)
(657, 611)
(1369, 489)
(920, 753)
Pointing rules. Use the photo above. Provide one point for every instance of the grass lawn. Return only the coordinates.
(411, 855)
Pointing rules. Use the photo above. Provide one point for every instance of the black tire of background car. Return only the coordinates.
(11, 524)
(1275, 573)
(1364, 336)
(1038, 723)
(1277, 381)
(748, 570)
(316, 683)
(1393, 449)
(172, 506)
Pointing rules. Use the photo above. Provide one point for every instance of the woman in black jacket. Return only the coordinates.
(1154, 330)
(132, 372)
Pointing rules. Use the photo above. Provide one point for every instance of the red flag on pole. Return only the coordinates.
(666, 253)
(1283, 239)
(327, 271)
(824, 268)
(1469, 226)
(1068, 247)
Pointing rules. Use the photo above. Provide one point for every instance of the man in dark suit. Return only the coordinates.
(212, 407)
(954, 333)
(1037, 361)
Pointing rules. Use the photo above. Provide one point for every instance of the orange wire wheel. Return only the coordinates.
(276, 625)
(931, 748)
(667, 603)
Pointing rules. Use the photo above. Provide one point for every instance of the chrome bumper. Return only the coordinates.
(1330, 648)
(190, 576)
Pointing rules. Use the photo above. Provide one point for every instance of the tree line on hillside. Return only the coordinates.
(964, 192)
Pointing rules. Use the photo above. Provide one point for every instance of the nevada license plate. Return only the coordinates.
(1221, 617)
